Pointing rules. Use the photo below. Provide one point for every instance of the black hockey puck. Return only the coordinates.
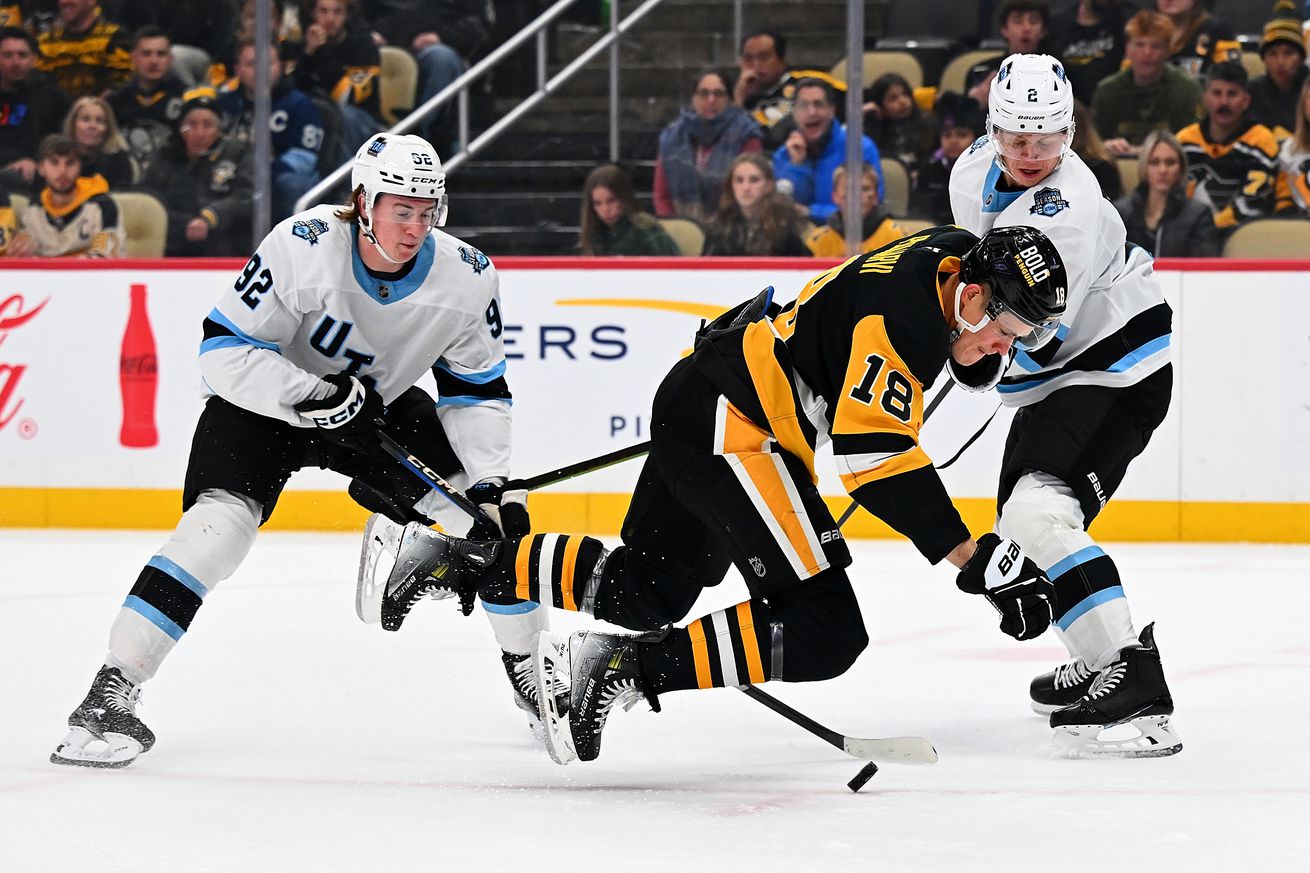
(862, 777)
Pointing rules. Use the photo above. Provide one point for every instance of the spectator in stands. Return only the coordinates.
(804, 163)
(766, 88)
(896, 124)
(444, 36)
(74, 215)
(91, 124)
(1088, 146)
(1158, 214)
(1294, 162)
(223, 71)
(613, 224)
(961, 121)
(1200, 40)
(203, 178)
(1232, 160)
(8, 221)
(753, 217)
(295, 123)
(1274, 95)
(1089, 38)
(341, 61)
(31, 106)
(1148, 95)
(146, 107)
(696, 150)
(878, 228)
(209, 25)
(85, 52)
(1024, 24)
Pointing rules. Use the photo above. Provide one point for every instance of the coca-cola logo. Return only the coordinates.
(14, 313)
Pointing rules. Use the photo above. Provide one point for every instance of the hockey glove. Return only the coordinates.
(982, 376)
(1012, 583)
(508, 509)
(348, 416)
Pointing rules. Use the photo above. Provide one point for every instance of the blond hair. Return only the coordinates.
(114, 141)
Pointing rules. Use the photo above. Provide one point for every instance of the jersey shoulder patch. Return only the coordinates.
(1048, 202)
(474, 258)
(309, 230)
(978, 143)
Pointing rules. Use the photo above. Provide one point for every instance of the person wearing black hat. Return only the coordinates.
(1274, 95)
(961, 122)
(203, 179)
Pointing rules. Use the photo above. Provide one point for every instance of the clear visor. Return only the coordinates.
(1029, 146)
(428, 214)
(1026, 334)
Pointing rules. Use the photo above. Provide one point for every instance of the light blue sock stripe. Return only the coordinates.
(154, 616)
(521, 608)
(164, 565)
(1087, 604)
(1064, 565)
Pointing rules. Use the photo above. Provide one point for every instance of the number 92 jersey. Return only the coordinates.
(304, 307)
(1116, 328)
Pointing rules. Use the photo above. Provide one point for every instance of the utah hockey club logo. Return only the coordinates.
(310, 230)
(474, 258)
(377, 146)
(1048, 202)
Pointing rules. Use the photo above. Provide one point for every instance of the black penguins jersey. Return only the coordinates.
(848, 361)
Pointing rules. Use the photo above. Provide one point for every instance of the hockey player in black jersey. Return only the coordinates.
(730, 480)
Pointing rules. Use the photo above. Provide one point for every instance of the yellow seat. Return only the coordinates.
(1128, 173)
(878, 62)
(896, 187)
(686, 235)
(145, 223)
(1254, 65)
(953, 76)
(397, 83)
(1270, 238)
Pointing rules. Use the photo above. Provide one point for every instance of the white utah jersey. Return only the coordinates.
(1117, 327)
(305, 307)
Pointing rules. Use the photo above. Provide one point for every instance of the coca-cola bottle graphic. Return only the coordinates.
(138, 376)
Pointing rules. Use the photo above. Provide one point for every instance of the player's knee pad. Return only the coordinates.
(823, 631)
(214, 536)
(1044, 517)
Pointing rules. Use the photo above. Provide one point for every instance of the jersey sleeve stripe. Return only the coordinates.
(480, 377)
(212, 337)
(862, 469)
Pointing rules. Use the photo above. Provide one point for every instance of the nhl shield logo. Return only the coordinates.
(1048, 202)
(758, 566)
(474, 258)
(310, 230)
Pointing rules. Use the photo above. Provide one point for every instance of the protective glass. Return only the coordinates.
(1030, 146)
(1028, 336)
(432, 214)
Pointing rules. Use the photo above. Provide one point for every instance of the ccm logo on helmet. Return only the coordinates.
(1032, 265)
(425, 180)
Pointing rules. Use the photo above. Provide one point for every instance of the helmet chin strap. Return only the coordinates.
(961, 322)
(366, 225)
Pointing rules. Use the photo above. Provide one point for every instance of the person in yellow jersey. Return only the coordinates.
(878, 227)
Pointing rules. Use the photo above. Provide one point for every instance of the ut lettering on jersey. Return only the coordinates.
(329, 340)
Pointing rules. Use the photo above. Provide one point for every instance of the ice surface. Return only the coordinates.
(294, 738)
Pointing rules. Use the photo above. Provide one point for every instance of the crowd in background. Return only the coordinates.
(94, 103)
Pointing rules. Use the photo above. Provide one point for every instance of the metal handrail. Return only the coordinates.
(459, 88)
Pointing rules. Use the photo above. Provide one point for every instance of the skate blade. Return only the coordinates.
(81, 748)
(376, 561)
(550, 653)
(1044, 709)
(1148, 736)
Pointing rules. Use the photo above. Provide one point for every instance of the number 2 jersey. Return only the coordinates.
(848, 361)
(305, 307)
(1116, 328)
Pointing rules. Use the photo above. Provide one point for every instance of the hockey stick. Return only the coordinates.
(892, 750)
(541, 480)
(430, 477)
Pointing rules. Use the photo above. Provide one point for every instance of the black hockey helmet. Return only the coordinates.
(1026, 276)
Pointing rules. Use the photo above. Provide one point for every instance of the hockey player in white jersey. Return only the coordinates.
(316, 347)
(1088, 397)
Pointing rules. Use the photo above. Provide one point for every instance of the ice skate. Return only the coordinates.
(104, 729)
(523, 679)
(399, 566)
(582, 678)
(1061, 687)
(1125, 713)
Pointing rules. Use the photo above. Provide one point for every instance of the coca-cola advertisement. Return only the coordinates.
(138, 376)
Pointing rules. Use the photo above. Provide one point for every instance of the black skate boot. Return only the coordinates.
(104, 730)
(582, 678)
(400, 566)
(523, 679)
(1125, 713)
(1061, 687)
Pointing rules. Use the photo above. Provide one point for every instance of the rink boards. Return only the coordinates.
(587, 341)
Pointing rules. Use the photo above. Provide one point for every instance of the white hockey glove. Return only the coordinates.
(348, 414)
(508, 509)
(1012, 583)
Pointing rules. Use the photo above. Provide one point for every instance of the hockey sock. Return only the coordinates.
(719, 650)
(556, 570)
(514, 625)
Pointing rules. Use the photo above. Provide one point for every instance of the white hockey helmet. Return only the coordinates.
(1031, 97)
(405, 165)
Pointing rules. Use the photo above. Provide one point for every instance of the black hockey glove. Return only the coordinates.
(1012, 583)
(508, 509)
(982, 376)
(349, 416)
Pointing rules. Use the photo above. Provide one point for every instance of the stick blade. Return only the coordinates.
(891, 750)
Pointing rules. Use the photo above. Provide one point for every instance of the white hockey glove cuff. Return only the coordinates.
(508, 509)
